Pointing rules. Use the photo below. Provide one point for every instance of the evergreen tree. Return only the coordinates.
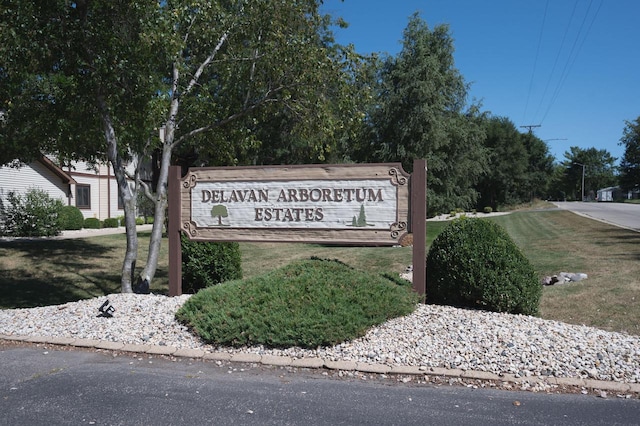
(419, 112)
(362, 218)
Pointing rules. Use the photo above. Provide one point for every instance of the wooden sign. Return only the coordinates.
(355, 204)
(346, 204)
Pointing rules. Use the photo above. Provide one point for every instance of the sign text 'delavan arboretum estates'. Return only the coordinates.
(340, 203)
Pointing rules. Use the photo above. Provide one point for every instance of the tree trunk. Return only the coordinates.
(156, 237)
(128, 199)
(131, 254)
(161, 201)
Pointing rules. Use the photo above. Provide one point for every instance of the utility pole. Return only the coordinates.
(530, 126)
(580, 164)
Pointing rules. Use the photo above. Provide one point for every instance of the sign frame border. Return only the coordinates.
(414, 212)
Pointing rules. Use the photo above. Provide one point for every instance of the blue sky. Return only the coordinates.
(572, 66)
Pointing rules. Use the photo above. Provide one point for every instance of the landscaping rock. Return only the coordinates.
(564, 277)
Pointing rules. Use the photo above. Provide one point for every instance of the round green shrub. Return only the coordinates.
(139, 221)
(208, 263)
(111, 222)
(474, 263)
(92, 223)
(487, 209)
(71, 218)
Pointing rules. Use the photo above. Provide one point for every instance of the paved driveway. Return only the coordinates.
(620, 214)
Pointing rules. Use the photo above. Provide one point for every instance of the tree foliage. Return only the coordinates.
(519, 165)
(630, 163)
(419, 111)
(230, 82)
(77, 80)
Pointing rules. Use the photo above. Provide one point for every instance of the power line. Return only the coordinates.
(570, 61)
(535, 61)
(555, 62)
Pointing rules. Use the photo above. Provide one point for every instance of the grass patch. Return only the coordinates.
(42, 272)
(556, 241)
(308, 303)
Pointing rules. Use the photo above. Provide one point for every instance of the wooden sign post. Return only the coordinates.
(357, 204)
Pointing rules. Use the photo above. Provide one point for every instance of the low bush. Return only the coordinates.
(139, 221)
(111, 222)
(208, 263)
(149, 220)
(32, 214)
(92, 223)
(474, 263)
(71, 218)
(487, 209)
(308, 303)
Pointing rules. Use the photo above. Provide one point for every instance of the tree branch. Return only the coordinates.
(207, 61)
(265, 99)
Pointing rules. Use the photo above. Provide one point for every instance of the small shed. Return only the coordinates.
(611, 193)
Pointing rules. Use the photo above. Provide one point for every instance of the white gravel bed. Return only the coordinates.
(432, 336)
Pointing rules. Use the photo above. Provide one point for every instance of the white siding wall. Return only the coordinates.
(34, 175)
(104, 190)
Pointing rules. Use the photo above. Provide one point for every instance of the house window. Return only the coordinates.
(83, 196)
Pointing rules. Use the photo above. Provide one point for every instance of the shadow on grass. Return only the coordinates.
(20, 290)
(75, 276)
(40, 249)
(626, 243)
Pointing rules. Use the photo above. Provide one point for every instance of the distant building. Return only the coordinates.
(612, 193)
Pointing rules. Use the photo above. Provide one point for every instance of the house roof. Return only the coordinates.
(56, 170)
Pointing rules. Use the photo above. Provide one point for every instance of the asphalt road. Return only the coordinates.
(620, 214)
(40, 385)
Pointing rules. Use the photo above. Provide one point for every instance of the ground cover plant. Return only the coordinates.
(307, 303)
(49, 272)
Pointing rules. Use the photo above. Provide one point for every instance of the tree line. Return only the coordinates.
(256, 83)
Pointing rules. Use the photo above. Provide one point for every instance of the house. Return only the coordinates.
(91, 188)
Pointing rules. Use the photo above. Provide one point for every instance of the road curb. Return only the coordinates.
(318, 363)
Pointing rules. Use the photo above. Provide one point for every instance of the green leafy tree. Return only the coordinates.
(539, 167)
(77, 81)
(419, 111)
(95, 79)
(520, 166)
(507, 154)
(630, 163)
